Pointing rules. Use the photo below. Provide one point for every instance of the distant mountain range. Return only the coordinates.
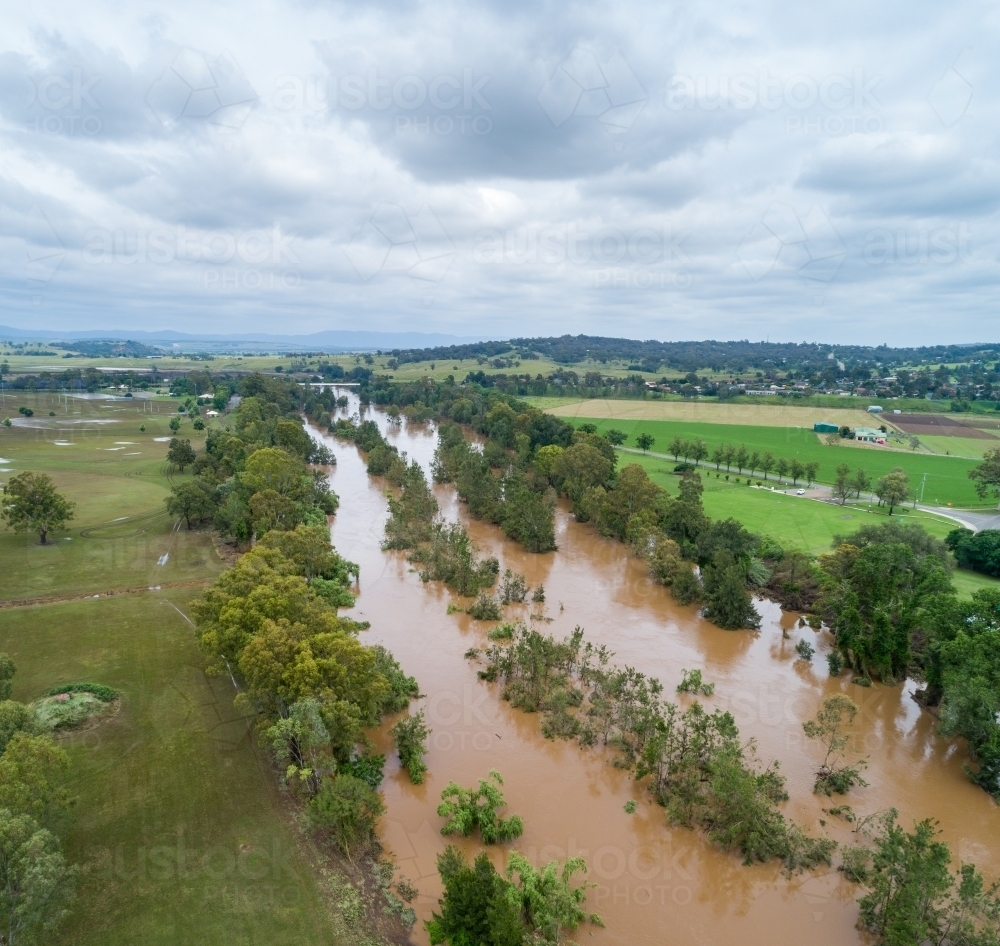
(334, 340)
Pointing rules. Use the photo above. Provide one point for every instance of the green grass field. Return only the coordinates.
(947, 477)
(967, 447)
(177, 826)
(121, 536)
(796, 520)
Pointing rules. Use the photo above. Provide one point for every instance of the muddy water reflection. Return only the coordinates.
(656, 884)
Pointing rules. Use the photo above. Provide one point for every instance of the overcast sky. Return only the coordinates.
(648, 170)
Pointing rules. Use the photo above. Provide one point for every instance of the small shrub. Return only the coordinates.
(630, 807)
(538, 595)
(805, 650)
(691, 682)
(835, 662)
(469, 808)
(367, 768)
(513, 588)
(502, 632)
(861, 681)
(485, 608)
(104, 693)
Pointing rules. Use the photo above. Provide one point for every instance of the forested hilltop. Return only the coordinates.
(735, 356)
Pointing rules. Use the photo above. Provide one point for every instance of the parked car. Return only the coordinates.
(800, 492)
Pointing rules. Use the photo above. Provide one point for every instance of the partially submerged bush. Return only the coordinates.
(486, 608)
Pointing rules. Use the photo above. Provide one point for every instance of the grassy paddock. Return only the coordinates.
(121, 536)
(797, 521)
(947, 477)
(176, 825)
(760, 413)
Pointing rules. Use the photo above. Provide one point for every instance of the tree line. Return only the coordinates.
(696, 355)
(254, 475)
(313, 688)
(699, 768)
(37, 882)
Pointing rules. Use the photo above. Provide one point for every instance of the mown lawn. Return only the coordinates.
(947, 477)
(176, 826)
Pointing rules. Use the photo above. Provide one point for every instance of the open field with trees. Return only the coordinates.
(947, 477)
(801, 522)
(116, 473)
(178, 827)
(182, 829)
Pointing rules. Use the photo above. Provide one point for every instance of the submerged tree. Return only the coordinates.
(469, 808)
(410, 736)
(835, 774)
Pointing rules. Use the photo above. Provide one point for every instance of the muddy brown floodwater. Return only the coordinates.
(656, 884)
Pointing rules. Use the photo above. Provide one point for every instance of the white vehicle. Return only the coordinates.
(800, 492)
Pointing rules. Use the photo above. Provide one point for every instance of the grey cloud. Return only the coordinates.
(208, 143)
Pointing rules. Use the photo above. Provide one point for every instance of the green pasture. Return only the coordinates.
(797, 521)
(967, 447)
(121, 536)
(176, 825)
(947, 477)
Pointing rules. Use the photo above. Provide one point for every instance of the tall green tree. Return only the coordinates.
(829, 728)
(893, 489)
(37, 886)
(180, 453)
(193, 501)
(842, 485)
(32, 504)
(410, 736)
(987, 474)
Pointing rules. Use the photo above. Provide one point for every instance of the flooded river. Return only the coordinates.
(656, 884)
